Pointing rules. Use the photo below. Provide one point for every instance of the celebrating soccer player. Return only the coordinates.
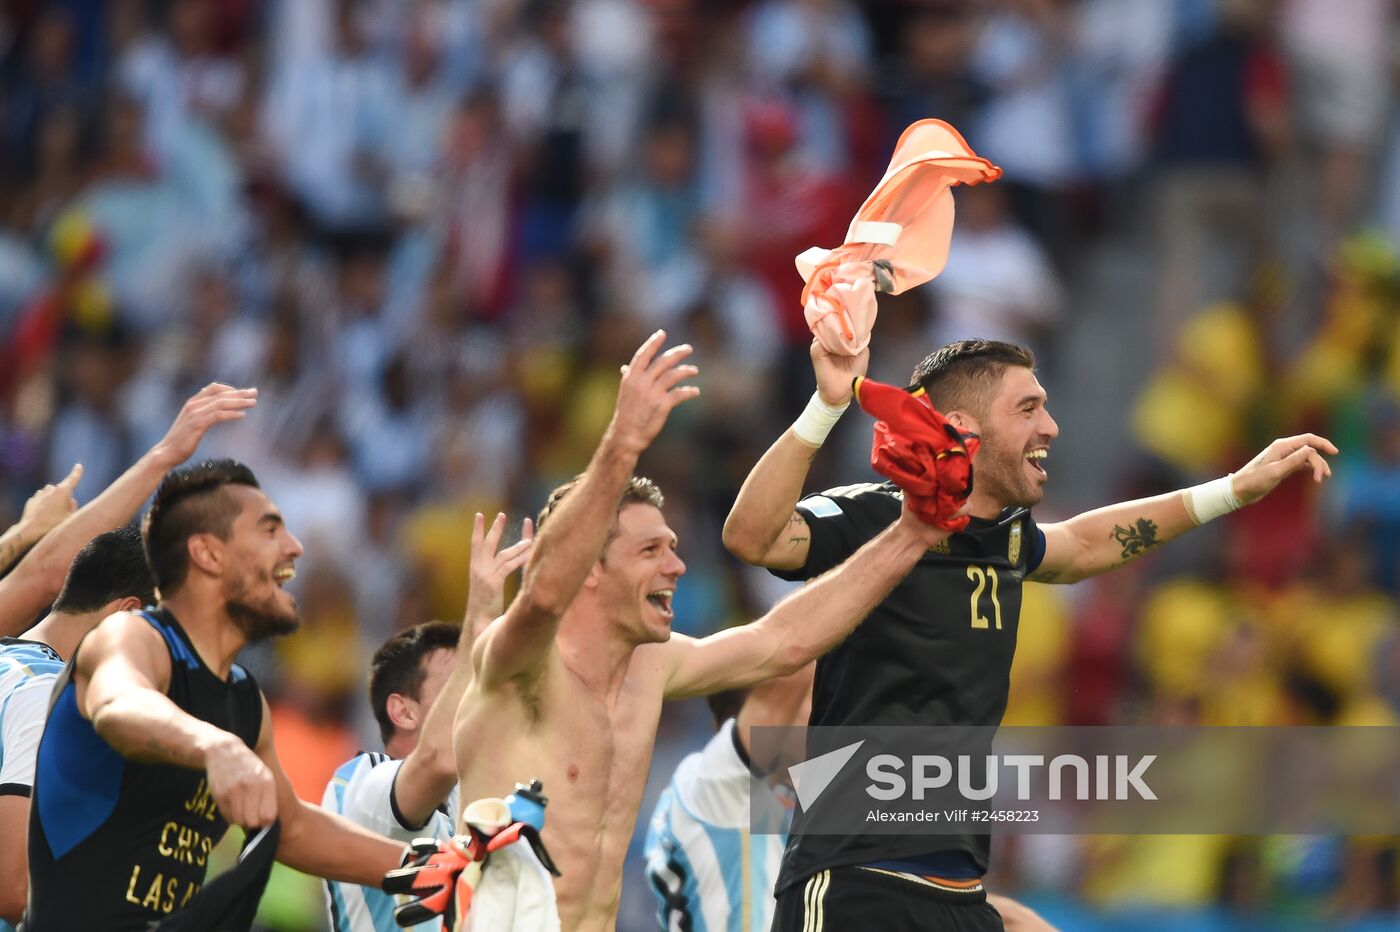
(938, 650)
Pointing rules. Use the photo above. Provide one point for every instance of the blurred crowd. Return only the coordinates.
(430, 230)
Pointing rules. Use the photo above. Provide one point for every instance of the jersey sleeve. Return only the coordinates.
(834, 519)
(1035, 554)
(20, 731)
(369, 801)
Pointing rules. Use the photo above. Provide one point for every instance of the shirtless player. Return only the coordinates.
(570, 680)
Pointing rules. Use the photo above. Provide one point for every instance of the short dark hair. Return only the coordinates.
(112, 566)
(191, 500)
(962, 376)
(640, 491)
(397, 666)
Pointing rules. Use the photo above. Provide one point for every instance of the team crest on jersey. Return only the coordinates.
(1013, 548)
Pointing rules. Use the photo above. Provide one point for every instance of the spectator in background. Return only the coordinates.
(818, 55)
(476, 204)
(1120, 48)
(327, 118)
(1370, 494)
(998, 284)
(90, 425)
(1220, 121)
(642, 229)
(179, 74)
(44, 82)
(1339, 61)
(544, 99)
(933, 77)
(1022, 56)
(390, 429)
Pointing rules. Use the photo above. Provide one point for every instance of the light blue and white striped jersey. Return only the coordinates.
(362, 790)
(708, 872)
(28, 671)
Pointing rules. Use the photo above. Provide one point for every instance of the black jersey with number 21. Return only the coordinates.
(936, 651)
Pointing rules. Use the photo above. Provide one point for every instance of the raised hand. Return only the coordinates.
(834, 373)
(240, 783)
(1278, 461)
(214, 404)
(491, 568)
(48, 507)
(649, 390)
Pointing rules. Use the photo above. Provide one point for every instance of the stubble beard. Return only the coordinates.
(258, 621)
(1004, 476)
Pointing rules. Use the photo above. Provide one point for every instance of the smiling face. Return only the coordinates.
(259, 559)
(636, 577)
(1016, 431)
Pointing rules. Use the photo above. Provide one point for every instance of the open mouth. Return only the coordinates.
(661, 598)
(283, 575)
(1037, 459)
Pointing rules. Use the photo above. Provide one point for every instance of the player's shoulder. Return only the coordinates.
(858, 498)
(361, 767)
(363, 761)
(123, 633)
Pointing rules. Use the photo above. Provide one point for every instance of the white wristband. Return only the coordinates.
(1210, 500)
(816, 420)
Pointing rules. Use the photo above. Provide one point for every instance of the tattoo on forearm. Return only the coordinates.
(1138, 539)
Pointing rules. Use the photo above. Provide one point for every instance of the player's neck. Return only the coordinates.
(213, 634)
(594, 648)
(61, 632)
(984, 505)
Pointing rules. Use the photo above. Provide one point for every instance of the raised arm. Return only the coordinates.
(807, 623)
(764, 528)
(430, 770)
(568, 545)
(1109, 537)
(35, 583)
(45, 510)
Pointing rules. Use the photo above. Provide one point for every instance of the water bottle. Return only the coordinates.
(527, 804)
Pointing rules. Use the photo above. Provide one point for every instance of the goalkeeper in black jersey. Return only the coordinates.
(938, 649)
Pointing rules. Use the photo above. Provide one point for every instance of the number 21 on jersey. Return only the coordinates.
(980, 576)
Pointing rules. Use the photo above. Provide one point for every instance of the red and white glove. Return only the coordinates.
(429, 874)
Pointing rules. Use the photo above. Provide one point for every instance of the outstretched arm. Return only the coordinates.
(518, 644)
(806, 624)
(1109, 537)
(764, 528)
(35, 583)
(316, 841)
(429, 772)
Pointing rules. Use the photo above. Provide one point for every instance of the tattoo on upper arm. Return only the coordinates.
(1043, 576)
(1138, 539)
(798, 532)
